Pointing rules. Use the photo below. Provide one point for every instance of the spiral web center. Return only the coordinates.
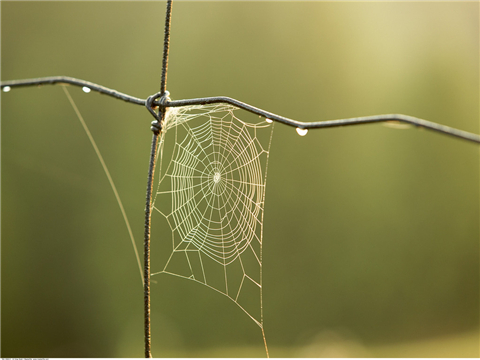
(211, 193)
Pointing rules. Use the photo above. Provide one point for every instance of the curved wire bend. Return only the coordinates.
(332, 123)
(446, 130)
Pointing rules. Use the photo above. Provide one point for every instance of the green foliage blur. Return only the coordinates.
(371, 234)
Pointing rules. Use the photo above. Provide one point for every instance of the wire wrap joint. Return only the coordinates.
(151, 104)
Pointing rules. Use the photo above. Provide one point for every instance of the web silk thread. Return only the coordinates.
(211, 193)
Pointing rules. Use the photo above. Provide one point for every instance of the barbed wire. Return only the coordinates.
(446, 130)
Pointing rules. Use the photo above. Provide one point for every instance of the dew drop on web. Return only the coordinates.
(7, 89)
(86, 89)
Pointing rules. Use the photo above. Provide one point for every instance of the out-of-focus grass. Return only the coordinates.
(335, 345)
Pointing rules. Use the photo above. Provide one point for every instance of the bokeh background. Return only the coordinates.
(371, 235)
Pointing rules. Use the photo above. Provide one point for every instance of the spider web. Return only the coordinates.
(211, 193)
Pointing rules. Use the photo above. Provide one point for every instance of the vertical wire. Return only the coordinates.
(151, 171)
(166, 45)
(146, 249)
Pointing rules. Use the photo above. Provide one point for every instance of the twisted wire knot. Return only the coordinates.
(151, 104)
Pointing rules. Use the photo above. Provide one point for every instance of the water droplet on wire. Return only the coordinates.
(302, 132)
(7, 89)
(86, 89)
(269, 120)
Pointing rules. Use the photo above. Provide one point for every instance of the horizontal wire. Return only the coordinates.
(331, 123)
(447, 130)
(52, 80)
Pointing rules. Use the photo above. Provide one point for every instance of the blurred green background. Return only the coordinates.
(371, 234)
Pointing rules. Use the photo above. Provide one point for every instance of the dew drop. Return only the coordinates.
(302, 132)
(7, 89)
(86, 89)
(269, 120)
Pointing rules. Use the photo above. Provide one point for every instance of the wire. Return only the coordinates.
(166, 45)
(332, 123)
(446, 130)
(156, 129)
(52, 80)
